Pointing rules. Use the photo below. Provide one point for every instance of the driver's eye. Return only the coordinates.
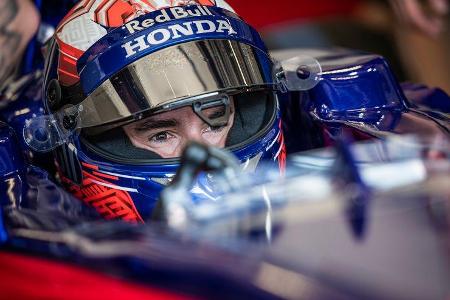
(160, 137)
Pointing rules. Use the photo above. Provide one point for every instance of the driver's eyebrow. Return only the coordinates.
(156, 124)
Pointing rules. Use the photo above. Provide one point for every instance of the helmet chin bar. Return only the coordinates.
(299, 73)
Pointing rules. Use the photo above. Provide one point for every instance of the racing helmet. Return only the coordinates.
(119, 73)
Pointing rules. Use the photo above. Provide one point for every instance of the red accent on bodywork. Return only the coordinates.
(282, 154)
(263, 14)
(23, 277)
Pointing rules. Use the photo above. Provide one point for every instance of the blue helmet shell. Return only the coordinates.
(130, 191)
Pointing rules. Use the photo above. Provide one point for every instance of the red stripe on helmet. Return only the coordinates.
(93, 167)
(105, 175)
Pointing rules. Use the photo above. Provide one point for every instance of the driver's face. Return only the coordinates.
(168, 133)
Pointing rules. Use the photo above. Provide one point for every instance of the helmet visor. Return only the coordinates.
(174, 77)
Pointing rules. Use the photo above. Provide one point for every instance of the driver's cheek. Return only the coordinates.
(216, 139)
(170, 149)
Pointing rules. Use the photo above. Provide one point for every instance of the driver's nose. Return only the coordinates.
(194, 133)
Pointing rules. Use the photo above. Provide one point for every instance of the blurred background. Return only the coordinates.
(412, 34)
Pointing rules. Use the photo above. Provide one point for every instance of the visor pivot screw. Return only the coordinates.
(280, 75)
(41, 135)
(53, 94)
(69, 122)
(303, 72)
